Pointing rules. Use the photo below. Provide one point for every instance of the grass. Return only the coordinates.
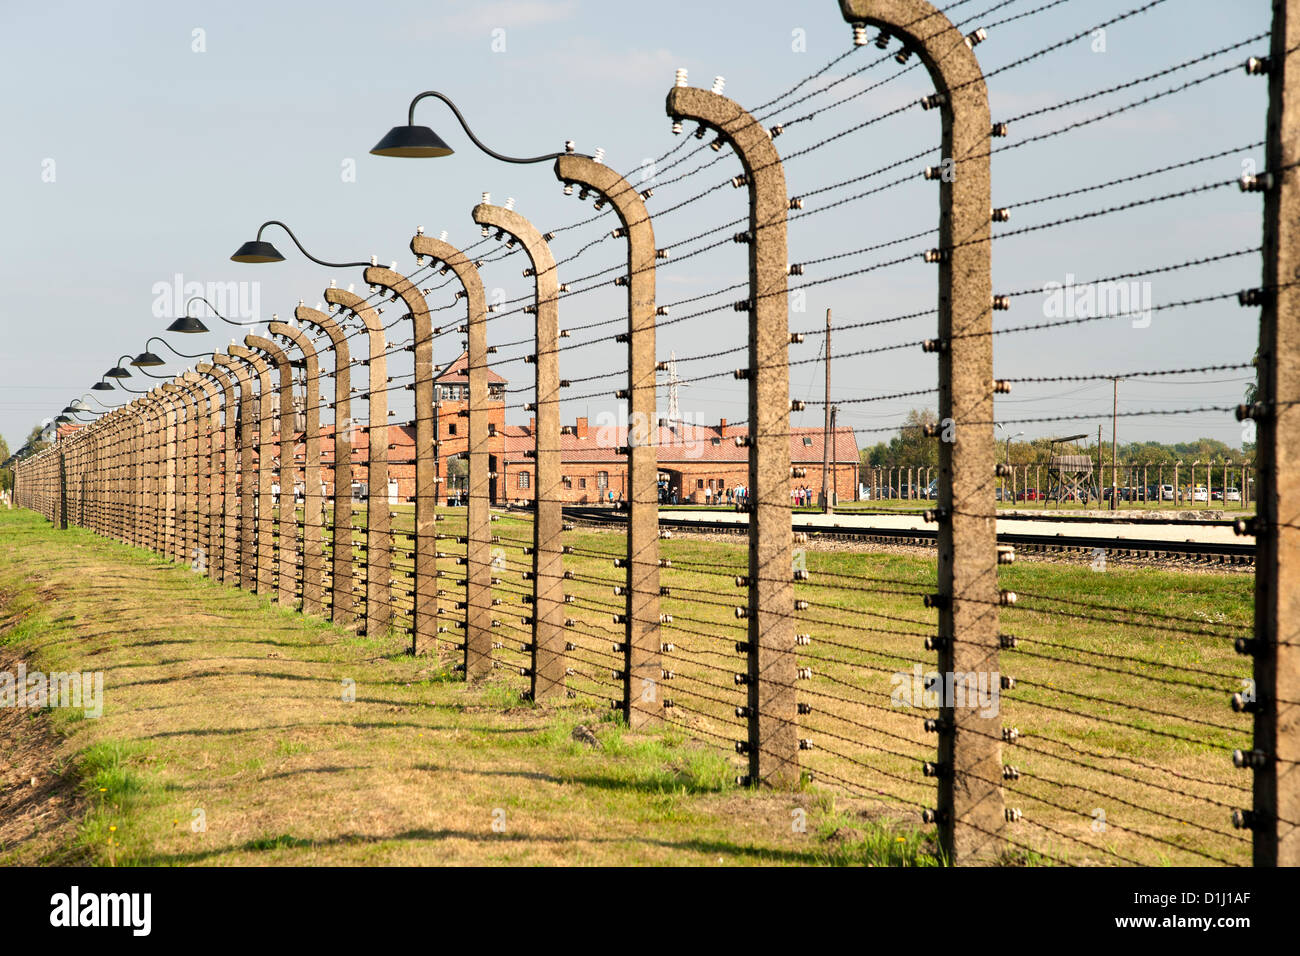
(225, 740)
(1120, 701)
(1122, 676)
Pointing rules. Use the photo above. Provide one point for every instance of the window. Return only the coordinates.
(717, 441)
(567, 481)
(582, 482)
(523, 479)
(451, 429)
(807, 440)
(699, 482)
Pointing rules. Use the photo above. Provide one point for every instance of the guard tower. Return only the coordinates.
(1068, 476)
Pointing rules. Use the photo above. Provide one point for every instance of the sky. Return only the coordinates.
(147, 140)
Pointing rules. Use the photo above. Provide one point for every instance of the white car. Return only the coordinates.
(1166, 492)
(1232, 494)
(1199, 493)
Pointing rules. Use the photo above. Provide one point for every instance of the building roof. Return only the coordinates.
(684, 443)
(456, 373)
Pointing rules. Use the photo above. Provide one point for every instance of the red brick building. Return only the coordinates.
(697, 463)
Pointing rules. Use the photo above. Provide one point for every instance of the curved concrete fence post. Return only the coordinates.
(186, 499)
(1276, 749)
(547, 672)
(206, 388)
(424, 592)
(642, 666)
(263, 519)
(196, 506)
(772, 708)
(174, 402)
(221, 401)
(379, 538)
(313, 555)
(478, 531)
(247, 416)
(970, 812)
(342, 601)
(287, 517)
(230, 504)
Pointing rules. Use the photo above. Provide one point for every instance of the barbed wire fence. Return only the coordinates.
(1041, 720)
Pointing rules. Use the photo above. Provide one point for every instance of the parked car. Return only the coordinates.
(1216, 495)
(1166, 492)
(1233, 495)
(1027, 494)
(1200, 494)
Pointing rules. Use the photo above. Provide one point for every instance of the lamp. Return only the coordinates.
(256, 250)
(421, 142)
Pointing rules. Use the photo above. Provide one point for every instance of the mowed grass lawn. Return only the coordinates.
(219, 702)
(226, 739)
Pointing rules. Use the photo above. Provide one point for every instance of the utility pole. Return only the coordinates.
(827, 428)
(1100, 474)
(1114, 418)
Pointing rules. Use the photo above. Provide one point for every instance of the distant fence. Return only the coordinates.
(1223, 485)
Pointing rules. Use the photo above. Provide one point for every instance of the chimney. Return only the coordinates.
(532, 426)
(581, 428)
(722, 428)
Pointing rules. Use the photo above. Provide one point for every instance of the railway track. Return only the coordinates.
(1026, 544)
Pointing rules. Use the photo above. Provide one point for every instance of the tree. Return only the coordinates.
(34, 439)
(6, 474)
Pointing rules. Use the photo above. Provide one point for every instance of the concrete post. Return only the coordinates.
(230, 503)
(548, 655)
(220, 483)
(204, 393)
(478, 534)
(772, 708)
(342, 603)
(424, 598)
(970, 811)
(313, 556)
(1276, 645)
(247, 472)
(262, 520)
(379, 538)
(168, 468)
(186, 436)
(286, 514)
(642, 644)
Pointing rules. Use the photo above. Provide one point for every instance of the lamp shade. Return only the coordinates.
(255, 250)
(187, 323)
(412, 141)
(63, 420)
(101, 386)
(147, 359)
(117, 372)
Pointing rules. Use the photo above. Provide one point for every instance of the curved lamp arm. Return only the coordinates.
(155, 338)
(199, 298)
(127, 388)
(410, 121)
(319, 262)
(106, 407)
